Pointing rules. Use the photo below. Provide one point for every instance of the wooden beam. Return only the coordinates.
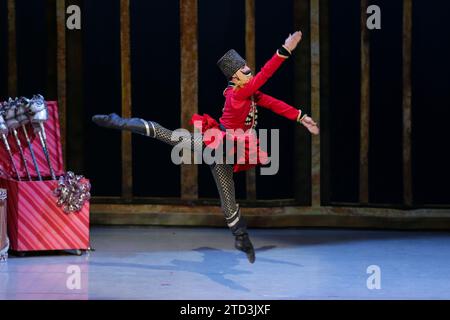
(365, 107)
(189, 86)
(12, 49)
(315, 99)
(250, 33)
(407, 52)
(197, 202)
(302, 99)
(127, 161)
(325, 114)
(250, 55)
(293, 216)
(61, 71)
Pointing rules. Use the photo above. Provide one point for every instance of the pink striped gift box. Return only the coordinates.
(35, 222)
(52, 131)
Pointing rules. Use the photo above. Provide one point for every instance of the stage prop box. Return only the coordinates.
(34, 219)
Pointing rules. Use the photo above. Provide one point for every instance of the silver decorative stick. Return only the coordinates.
(4, 133)
(22, 118)
(38, 114)
(13, 124)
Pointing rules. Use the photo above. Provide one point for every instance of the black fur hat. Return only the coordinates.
(230, 63)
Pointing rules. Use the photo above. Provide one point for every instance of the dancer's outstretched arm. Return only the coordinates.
(285, 110)
(269, 68)
(277, 106)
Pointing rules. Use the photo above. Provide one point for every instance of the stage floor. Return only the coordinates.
(201, 263)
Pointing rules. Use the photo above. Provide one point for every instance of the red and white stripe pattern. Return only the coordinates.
(36, 223)
(52, 130)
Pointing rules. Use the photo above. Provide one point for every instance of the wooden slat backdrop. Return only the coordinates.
(365, 107)
(12, 49)
(250, 53)
(315, 99)
(407, 169)
(61, 71)
(127, 161)
(325, 118)
(302, 98)
(189, 86)
(286, 216)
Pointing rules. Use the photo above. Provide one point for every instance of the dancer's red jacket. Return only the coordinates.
(238, 105)
(238, 101)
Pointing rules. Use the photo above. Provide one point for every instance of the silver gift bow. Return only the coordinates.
(72, 192)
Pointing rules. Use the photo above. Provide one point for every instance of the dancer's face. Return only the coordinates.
(242, 76)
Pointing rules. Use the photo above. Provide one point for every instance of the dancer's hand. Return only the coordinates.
(311, 125)
(293, 40)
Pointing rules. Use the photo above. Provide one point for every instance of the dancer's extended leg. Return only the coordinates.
(144, 127)
(222, 173)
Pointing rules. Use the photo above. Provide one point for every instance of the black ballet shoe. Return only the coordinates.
(239, 230)
(113, 121)
(244, 244)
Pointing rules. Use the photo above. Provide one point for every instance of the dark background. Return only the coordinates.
(156, 95)
(3, 50)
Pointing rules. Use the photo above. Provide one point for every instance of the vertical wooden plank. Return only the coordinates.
(127, 173)
(407, 169)
(12, 49)
(61, 71)
(365, 107)
(250, 56)
(315, 99)
(302, 98)
(325, 114)
(250, 33)
(189, 86)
